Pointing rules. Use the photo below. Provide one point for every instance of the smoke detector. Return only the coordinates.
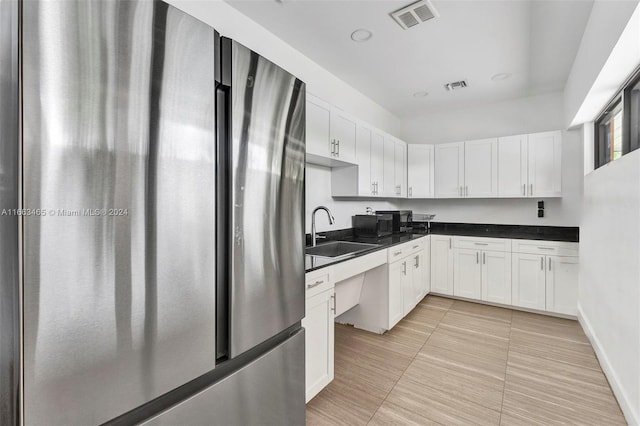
(414, 14)
(455, 85)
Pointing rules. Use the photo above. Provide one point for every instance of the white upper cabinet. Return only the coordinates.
(330, 134)
(449, 170)
(343, 136)
(545, 168)
(318, 128)
(400, 169)
(388, 189)
(512, 166)
(363, 159)
(377, 162)
(420, 172)
(481, 168)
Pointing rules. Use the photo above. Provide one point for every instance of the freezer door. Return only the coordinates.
(268, 154)
(119, 154)
(269, 391)
(9, 260)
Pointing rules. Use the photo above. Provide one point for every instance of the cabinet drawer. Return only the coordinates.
(406, 249)
(551, 248)
(477, 243)
(318, 281)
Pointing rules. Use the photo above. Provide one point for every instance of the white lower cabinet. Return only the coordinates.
(397, 281)
(467, 273)
(562, 284)
(319, 332)
(442, 264)
(528, 281)
(496, 277)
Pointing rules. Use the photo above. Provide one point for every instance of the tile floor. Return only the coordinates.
(454, 363)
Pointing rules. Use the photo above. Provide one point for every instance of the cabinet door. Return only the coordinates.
(481, 168)
(400, 158)
(528, 280)
(418, 276)
(397, 279)
(545, 168)
(441, 264)
(420, 171)
(496, 277)
(467, 275)
(389, 168)
(449, 170)
(343, 133)
(562, 285)
(408, 289)
(319, 342)
(512, 166)
(363, 159)
(377, 162)
(318, 130)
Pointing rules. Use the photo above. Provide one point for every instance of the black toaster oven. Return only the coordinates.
(401, 219)
(372, 225)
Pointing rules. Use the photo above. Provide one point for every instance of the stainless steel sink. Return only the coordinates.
(338, 249)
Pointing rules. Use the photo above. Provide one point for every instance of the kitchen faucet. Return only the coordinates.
(313, 222)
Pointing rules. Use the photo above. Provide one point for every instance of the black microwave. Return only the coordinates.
(401, 219)
(372, 225)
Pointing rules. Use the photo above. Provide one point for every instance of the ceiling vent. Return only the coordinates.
(455, 85)
(414, 14)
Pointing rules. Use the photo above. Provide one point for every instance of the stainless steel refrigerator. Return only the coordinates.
(151, 221)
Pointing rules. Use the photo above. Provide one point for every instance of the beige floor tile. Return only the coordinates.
(393, 415)
(548, 326)
(463, 384)
(439, 406)
(483, 311)
(441, 302)
(476, 324)
(466, 341)
(493, 366)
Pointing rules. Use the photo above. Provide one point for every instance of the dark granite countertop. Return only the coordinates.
(546, 233)
(311, 263)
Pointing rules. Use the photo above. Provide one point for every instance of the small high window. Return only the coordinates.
(617, 131)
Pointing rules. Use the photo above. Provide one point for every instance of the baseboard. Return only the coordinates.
(623, 400)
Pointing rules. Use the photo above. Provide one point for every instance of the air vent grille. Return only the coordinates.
(455, 85)
(414, 14)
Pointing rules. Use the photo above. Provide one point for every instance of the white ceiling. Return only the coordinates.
(534, 40)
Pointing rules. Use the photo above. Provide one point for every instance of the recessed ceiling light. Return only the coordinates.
(501, 76)
(421, 94)
(361, 35)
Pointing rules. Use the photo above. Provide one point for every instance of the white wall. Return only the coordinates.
(231, 23)
(609, 293)
(525, 115)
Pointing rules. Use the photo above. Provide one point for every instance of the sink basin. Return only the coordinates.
(338, 249)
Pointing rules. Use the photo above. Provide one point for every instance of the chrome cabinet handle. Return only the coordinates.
(531, 189)
(333, 308)
(417, 264)
(524, 189)
(483, 258)
(333, 147)
(410, 191)
(542, 263)
(546, 248)
(477, 257)
(466, 191)
(404, 268)
(481, 244)
(415, 247)
(317, 283)
(397, 253)
(377, 190)
(449, 242)
(549, 263)
(461, 191)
